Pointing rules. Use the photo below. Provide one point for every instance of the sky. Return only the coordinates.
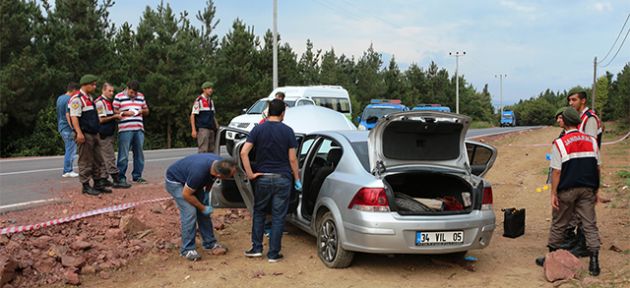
(536, 45)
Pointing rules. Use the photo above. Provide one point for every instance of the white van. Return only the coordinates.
(329, 96)
(333, 97)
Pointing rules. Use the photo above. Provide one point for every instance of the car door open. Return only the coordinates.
(480, 156)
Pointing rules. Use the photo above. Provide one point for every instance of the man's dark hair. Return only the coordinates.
(72, 86)
(581, 94)
(225, 167)
(133, 85)
(276, 107)
(281, 95)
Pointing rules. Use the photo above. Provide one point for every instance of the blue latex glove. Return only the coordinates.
(298, 185)
(207, 211)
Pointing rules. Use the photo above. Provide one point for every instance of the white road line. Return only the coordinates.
(22, 204)
(53, 169)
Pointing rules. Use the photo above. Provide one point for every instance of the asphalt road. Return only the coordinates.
(24, 180)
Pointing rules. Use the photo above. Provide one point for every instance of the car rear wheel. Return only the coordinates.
(329, 247)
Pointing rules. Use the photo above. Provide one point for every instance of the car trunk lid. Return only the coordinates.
(418, 138)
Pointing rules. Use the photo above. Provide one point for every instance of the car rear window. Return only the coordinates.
(361, 150)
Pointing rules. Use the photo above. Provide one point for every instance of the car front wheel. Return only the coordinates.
(329, 247)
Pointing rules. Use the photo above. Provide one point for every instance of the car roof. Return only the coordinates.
(350, 135)
(385, 105)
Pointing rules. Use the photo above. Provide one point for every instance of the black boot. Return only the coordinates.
(580, 250)
(99, 184)
(593, 265)
(540, 261)
(118, 183)
(570, 239)
(87, 189)
(106, 182)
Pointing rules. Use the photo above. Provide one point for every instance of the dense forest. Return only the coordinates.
(45, 46)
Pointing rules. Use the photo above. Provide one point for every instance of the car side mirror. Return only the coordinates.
(481, 157)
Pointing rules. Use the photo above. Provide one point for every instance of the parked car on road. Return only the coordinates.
(411, 185)
(377, 109)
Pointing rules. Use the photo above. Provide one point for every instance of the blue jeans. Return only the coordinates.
(188, 215)
(70, 149)
(274, 191)
(135, 141)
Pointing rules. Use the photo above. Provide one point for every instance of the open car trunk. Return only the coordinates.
(429, 193)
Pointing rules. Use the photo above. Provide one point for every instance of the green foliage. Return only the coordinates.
(172, 54)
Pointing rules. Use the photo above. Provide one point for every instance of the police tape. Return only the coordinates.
(119, 207)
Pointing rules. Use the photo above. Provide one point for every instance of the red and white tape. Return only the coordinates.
(119, 207)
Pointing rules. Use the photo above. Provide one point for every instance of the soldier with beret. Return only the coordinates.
(203, 119)
(85, 123)
(574, 185)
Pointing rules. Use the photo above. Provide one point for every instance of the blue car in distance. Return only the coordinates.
(431, 107)
(377, 109)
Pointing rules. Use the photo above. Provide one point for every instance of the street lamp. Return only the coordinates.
(501, 76)
(457, 54)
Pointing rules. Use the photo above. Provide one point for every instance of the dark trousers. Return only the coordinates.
(580, 202)
(90, 159)
(274, 191)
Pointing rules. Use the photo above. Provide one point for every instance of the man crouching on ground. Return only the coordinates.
(185, 181)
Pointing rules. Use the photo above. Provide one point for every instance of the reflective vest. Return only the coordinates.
(203, 109)
(579, 154)
(105, 109)
(588, 113)
(88, 121)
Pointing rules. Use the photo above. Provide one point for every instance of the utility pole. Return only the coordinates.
(457, 54)
(501, 76)
(595, 87)
(275, 44)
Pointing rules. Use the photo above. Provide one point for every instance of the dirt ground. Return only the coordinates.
(517, 173)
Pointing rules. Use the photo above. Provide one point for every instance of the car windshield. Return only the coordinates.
(361, 150)
(507, 116)
(377, 112)
(258, 107)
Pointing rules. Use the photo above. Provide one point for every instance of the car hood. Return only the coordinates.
(419, 138)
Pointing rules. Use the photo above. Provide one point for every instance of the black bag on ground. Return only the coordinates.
(513, 222)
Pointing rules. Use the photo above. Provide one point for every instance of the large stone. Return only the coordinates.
(561, 265)
(44, 265)
(72, 277)
(42, 242)
(7, 269)
(72, 262)
(80, 245)
(131, 225)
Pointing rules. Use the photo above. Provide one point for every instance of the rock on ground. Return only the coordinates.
(7, 266)
(561, 265)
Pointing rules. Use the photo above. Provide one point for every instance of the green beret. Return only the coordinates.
(87, 79)
(559, 111)
(207, 84)
(571, 117)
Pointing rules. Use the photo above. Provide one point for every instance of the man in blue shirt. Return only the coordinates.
(188, 180)
(275, 169)
(66, 132)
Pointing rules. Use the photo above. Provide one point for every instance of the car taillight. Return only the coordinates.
(371, 200)
(486, 200)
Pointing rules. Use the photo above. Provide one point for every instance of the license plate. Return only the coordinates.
(439, 238)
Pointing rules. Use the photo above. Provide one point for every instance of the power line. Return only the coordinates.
(615, 43)
(620, 46)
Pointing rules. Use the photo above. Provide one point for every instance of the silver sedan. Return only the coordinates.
(412, 185)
